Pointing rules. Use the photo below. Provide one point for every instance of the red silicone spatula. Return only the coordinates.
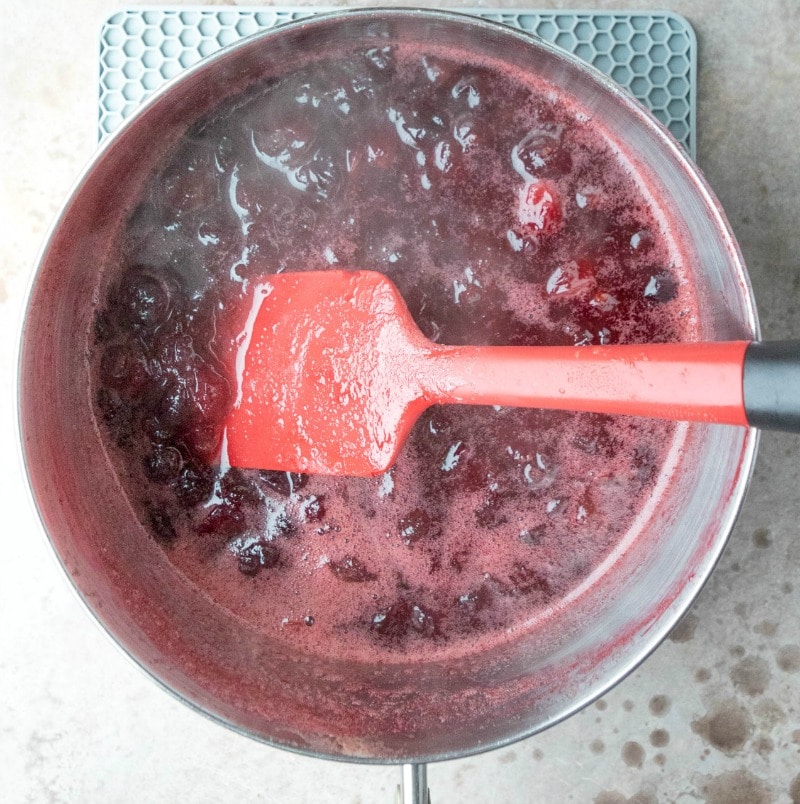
(332, 373)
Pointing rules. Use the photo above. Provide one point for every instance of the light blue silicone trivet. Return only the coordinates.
(651, 54)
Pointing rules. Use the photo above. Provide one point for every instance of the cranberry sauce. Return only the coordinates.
(504, 216)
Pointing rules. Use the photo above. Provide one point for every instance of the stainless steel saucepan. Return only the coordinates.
(410, 713)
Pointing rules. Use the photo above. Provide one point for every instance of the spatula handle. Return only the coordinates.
(772, 385)
(679, 381)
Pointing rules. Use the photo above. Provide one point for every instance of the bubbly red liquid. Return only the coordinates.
(504, 216)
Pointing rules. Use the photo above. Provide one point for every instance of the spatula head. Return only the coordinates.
(328, 375)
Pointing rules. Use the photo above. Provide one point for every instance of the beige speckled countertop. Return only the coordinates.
(712, 716)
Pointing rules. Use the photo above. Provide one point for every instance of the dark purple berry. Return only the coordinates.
(415, 525)
(476, 474)
(458, 560)
(156, 431)
(398, 620)
(113, 410)
(540, 152)
(351, 570)
(393, 623)
(173, 408)
(123, 367)
(490, 514)
(160, 524)
(163, 464)
(279, 524)
(526, 580)
(313, 508)
(190, 190)
(222, 520)
(308, 619)
(284, 483)
(645, 464)
(236, 488)
(203, 441)
(422, 622)
(532, 536)
(103, 327)
(475, 600)
(142, 299)
(257, 555)
(210, 393)
(661, 287)
(194, 484)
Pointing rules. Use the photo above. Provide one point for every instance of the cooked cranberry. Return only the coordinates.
(320, 174)
(527, 580)
(394, 622)
(238, 489)
(661, 287)
(285, 483)
(103, 327)
(203, 440)
(163, 464)
(540, 153)
(279, 523)
(173, 408)
(256, 555)
(351, 570)
(191, 189)
(476, 474)
(645, 467)
(575, 279)
(113, 410)
(156, 430)
(593, 436)
(222, 520)
(422, 621)
(398, 620)
(532, 536)
(142, 299)
(194, 484)
(539, 211)
(491, 514)
(466, 131)
(415, 525)
(475, 600)
(173, 350)
(161, 524)
(381, 57)
(210, 393)
(313, 508)
(458, 560)
(439, 423)
(124, 367)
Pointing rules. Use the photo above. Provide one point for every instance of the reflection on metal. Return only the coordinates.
(414, 787)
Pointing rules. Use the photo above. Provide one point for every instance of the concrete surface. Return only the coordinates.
(712, 716)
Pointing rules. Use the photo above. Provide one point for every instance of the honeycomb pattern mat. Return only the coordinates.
(651, 54)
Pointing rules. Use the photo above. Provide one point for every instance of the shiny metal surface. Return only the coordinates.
(537, 680)
(414, 786)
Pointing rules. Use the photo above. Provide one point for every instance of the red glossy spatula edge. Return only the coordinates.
(333, 373)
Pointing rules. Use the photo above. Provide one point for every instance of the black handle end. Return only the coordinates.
(771, 385)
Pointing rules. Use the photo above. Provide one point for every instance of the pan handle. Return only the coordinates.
(414, 787)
